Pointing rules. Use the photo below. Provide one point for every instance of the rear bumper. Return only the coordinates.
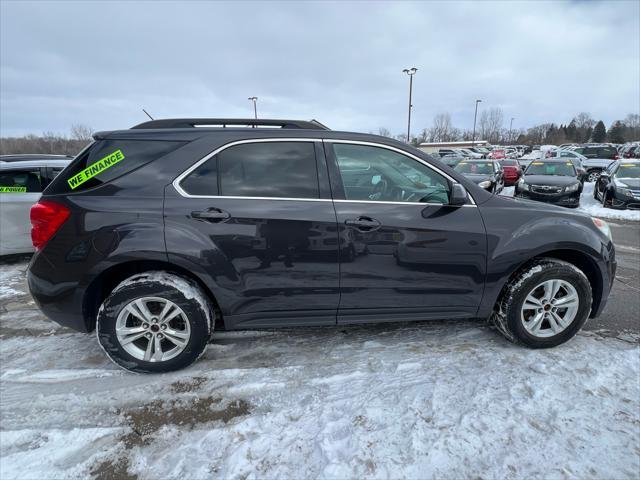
(60, 301)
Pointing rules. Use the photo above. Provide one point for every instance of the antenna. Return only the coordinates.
(147, 113)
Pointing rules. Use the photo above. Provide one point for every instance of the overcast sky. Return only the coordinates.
(98, 63)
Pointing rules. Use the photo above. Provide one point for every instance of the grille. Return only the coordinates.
(545, 189)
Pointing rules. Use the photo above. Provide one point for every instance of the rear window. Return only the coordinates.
(260, 169)
(106, 160)
(20, 181)
(509, 163)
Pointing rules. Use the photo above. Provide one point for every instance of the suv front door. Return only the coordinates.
(409, 255)
(257, 219)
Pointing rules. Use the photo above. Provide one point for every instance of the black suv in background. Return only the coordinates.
(156, 235)
(598, 151)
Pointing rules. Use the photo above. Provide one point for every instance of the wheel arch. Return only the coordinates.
(577, 258)
(106, 281)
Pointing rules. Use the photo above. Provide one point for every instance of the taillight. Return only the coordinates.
(616, 156)
(46, 219)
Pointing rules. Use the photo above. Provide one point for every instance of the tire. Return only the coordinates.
(517, 322)
(136, 306)
(595, 191)
(592, 175)
(604, 198)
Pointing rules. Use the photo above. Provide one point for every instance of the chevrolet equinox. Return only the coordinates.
(155, 235)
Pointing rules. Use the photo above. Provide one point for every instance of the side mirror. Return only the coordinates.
(458, 195)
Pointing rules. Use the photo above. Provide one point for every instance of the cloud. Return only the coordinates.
(99, 63)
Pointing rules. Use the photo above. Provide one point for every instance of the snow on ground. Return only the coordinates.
(428, 400)
(593, 207)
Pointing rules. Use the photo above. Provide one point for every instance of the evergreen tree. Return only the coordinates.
(599, 132)
(616, 132)
(572, 132)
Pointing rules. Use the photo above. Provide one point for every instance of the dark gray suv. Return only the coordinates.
(156, 235)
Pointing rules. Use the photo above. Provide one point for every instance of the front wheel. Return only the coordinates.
(155, 322)
(544, 305)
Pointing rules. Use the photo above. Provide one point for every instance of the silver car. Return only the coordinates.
(21, 184)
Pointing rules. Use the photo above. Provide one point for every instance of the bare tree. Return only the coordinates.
(384, 132)
(442, 129)
(584, 121)
(491, 124)
(81, 132)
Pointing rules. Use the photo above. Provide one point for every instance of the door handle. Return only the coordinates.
(211, 215)
(365, 224)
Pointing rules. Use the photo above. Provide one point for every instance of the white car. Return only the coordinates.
(21, 184)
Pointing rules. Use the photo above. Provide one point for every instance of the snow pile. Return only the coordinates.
(594, 207)
(429, 400)
(591, 206)
(8, 281)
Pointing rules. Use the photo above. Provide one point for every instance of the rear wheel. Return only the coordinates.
(593, 175)
(544, 305)
(154, 322)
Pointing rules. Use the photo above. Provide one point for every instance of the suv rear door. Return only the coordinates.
(408, 257)
(257, 219)
(20, 188)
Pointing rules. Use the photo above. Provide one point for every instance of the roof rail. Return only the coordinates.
(230, 122)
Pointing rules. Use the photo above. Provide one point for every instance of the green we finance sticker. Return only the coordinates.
(95, 169)
(13, 189)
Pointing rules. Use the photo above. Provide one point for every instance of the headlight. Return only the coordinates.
(624, 191)
(485, 184)
(602, 226)
(572, 188)
(524, 186)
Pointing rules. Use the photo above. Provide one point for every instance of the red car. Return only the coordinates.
(498, 154)
(512, 171)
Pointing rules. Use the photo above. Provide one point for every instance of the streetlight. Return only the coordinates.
(510, 128)
(475, 115)
(255, 108)
(411, 72)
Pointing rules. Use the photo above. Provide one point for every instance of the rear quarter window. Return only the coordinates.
(106, 160)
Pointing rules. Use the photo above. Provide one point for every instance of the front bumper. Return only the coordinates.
(622, 202)
(563, 199)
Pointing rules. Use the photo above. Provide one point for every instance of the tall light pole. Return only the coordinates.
(411, 72)
(510, 128)
(475, 115)
(255, 108)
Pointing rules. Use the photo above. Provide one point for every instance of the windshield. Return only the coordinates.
(628, 170)
(475, 168)
(555, 168)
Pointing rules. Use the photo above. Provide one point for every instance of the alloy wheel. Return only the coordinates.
(153, 329)
(593, 176)
(550, 308)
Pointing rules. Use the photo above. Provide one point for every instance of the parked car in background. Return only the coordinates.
(575, 158)
(21, 184)
(630, 151)
(484, 152)
(551, 181)
(619, 185)
(467, 152)
(598, 151)
(156, 235)
(452, 159)
(498, 154)
(24, 157)
(529, 157)
(512, 171)
(486, 174)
